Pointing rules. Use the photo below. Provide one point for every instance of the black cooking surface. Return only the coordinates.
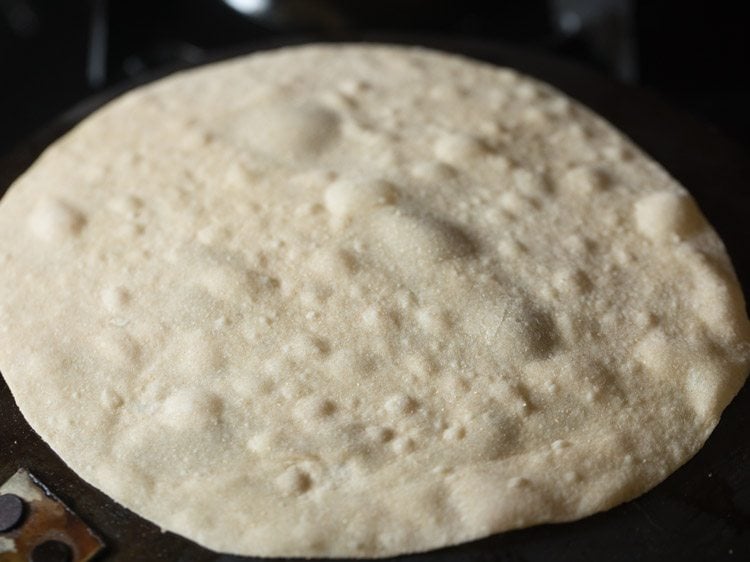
(702, 512)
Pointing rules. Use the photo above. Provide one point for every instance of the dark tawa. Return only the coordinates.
(701, 512)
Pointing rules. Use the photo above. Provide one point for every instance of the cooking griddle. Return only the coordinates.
(701, 512)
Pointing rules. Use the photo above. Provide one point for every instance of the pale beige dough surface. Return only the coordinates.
(360, 301)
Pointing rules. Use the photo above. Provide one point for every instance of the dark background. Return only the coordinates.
(55, 53)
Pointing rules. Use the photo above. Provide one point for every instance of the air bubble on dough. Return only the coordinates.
(514, 326)
(535, 117)
(380, 434)
(353, 87)
(584, 180)
(420, 365)
(457, 148)
(575, 282)
(559, 445)
(261, 442)
(127, 206)
(432, 320)
(454, 433)
(345, 198)
(306, 347)
(715, 300)
(510, 249)
(512, 202)
(198, 355)
(118, 348)
(518, 482)
(404, 445)
(663, 215)
(433, 171)
(294, 481)
(705, 390)
(54, 221)
(410, 238)
(115, 299)
(295, 130)
(400, 404)
(191, 409)
(527, 91)
(529, 183)
(314, 408)
(111, 399)
(571, 476)
(374, 316)
(657, 355)
(239, 175)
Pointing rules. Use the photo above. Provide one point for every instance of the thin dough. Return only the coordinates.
(362, 301)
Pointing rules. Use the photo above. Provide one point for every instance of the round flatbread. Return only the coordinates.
(361, 301)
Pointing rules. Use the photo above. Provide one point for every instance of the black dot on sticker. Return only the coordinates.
(11, 511)
(51, 551)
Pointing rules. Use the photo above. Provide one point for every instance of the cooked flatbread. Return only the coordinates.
(361, 301)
